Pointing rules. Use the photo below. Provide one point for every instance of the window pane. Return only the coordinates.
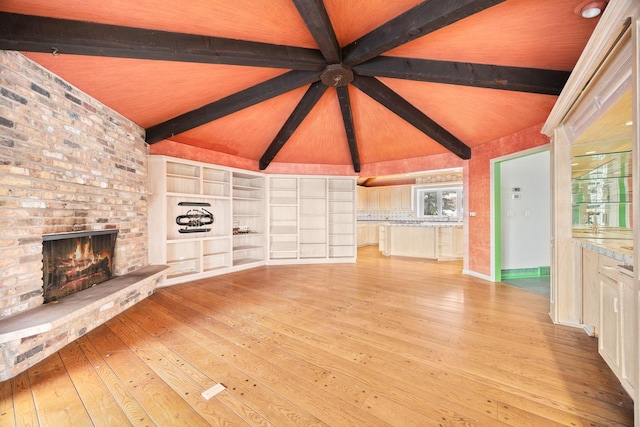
(430, 203)
(449, 203)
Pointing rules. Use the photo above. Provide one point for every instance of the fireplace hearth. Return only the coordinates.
(76, 261)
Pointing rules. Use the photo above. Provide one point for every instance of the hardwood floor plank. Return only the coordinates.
(7, 414)
(163, 405)
(135, 413)
(23, 403)
(174, 375)
(230, 401)
(103, 409)
(54, 406)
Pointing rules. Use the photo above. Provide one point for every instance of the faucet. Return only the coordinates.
(592, 218)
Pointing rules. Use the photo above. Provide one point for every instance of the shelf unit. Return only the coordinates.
(189, 211)
(312, 219)
(248, 219)
(602, 190)
(206, 220)
(283, 212)
(342, 220)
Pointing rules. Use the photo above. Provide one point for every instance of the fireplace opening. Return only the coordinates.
(76, 261)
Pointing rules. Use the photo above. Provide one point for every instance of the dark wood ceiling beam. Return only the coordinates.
(308, 101)
(427, 17)
(317, 20)
(394, 102)
(232, 103)
(62, 36)
(520, 79)
(347, 118)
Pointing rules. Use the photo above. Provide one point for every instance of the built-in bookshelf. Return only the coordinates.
(248, 218)
(206, 220)
(312, 219)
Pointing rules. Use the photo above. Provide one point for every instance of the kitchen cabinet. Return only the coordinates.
(405, 198)
(601, 191)
(372, 233)
(590, 291)
(629, 363)
(450, 243)
(363, 235)
(609, 338)
(617, 340)
(432, 241)
(373, 199)
(363, 200)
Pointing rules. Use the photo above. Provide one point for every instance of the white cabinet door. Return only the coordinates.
(363, 199)
(372, 234)
(609, 339)
(590, 290)
(372, 199)
(405, 198)
(363, 235)
(628, 332)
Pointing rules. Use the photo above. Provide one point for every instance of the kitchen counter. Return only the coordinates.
(422, 239)
(612, 242)
(413, 223)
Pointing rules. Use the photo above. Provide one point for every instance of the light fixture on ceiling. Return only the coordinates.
(590, 9)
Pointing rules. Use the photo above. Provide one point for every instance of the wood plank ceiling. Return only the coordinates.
(309, 81)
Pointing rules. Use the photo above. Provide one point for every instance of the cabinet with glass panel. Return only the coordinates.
(602, 194)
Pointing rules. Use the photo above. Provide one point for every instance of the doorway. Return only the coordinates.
(522, 221)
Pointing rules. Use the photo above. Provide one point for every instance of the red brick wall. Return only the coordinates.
(67, 163)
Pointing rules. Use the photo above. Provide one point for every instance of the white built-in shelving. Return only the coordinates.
(206, 220)
(312, 219)
(248, 218)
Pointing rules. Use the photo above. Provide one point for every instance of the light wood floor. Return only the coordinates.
(385, 341)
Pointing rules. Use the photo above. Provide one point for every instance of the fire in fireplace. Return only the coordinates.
(76, 261)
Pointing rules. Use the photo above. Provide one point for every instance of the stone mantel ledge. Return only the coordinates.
(29, 337)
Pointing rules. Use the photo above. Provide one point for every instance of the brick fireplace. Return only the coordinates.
(68, 164)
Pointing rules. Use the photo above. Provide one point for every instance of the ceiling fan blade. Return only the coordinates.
(308, 101)
(232, 103)
(397, 104)
(520, 79)
(427, 17)
(317, 20)
(347, 118)
(63, 36)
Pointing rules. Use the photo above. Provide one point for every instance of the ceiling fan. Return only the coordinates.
(358, 63)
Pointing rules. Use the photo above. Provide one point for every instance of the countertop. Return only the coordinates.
(417, 223)
(612, 242)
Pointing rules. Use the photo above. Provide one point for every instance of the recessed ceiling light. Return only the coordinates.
(629, 123)
(590, 9)
(591, 152)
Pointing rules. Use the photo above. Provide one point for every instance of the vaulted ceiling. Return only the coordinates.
(311, 82)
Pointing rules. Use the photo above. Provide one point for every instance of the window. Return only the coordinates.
(445, 202)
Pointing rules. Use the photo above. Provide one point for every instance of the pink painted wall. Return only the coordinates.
(477, 180)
